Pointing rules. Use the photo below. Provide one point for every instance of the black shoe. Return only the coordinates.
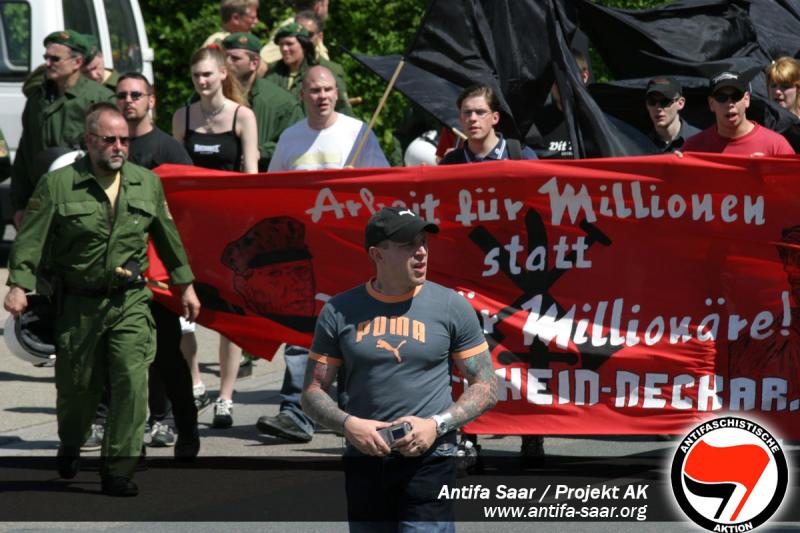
(187, 447)
(284, 427)
(223, 414)
(69, 461)
(532, 451)
(119, 486)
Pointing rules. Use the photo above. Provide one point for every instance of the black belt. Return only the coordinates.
(100, 293)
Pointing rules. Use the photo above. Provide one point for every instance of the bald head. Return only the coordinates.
(316, 73)
(319, 95)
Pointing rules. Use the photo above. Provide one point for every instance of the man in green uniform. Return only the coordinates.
(276, 109)
(82, 222)
(55, 112)
(93, 68)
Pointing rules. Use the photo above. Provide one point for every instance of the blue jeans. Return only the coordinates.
(296, 359)
(400, 494)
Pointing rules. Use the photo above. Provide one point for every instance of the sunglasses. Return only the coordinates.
(135, 95)
(53, 59)
(112, 139)
(724, 97)
(654, 101)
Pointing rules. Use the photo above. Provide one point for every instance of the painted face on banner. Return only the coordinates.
(279, 289)
(273, 271)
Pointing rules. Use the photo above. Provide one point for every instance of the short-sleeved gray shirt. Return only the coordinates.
(397, 350)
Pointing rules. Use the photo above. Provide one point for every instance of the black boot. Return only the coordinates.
(119, 486)
(188, 446)
(69, 461)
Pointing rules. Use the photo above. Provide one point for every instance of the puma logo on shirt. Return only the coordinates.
(388, 347)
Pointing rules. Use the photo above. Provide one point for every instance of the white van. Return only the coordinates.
(117, 24)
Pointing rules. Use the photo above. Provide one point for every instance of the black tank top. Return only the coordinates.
(220, 151)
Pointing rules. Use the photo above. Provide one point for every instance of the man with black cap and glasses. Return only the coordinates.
(733, 133)
(398, 337)
(664, 101)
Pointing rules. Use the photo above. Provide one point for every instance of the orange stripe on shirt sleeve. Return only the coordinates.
(324, 359)
(465, 354)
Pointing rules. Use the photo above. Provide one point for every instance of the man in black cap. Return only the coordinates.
(398, 337)
(275, 108)
(733, 133)
(664, 103)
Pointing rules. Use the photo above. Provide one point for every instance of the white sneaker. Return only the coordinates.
(223, 414)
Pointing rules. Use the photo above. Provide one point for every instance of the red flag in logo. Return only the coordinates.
(742, 464)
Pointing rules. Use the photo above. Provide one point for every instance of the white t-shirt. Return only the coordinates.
(302, 148)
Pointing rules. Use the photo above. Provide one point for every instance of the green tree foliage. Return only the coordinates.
(373, 27)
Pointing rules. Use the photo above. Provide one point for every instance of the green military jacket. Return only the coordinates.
(69, 231)
(51, 120)
(276, 109)
(278, 73)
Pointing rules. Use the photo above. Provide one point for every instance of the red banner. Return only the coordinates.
(633, 295)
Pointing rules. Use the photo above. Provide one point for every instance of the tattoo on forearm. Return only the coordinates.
(481, 395)
(316, 400)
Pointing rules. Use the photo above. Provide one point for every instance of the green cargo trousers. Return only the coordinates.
(105, 339)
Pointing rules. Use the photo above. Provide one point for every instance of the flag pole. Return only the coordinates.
(377, 112)
(392, 81)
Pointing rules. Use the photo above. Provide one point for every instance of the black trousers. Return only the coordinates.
(170, 381)
(387, 491)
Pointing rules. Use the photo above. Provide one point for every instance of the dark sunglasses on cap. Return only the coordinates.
(135, 95)
(111, 139)
(734, 96)
(654, 101)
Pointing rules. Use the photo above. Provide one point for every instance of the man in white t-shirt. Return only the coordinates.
(325, 139)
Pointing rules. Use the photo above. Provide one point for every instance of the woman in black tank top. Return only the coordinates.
(219, 132)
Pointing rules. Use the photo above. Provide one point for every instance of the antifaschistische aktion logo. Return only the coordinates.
(729, 474)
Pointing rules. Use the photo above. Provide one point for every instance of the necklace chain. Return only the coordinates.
(209, 115)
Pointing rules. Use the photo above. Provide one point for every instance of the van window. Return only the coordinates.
(15, 40)
(125, 47)
(79, 16)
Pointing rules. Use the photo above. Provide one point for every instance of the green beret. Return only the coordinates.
(291, 30)
(242, 41)
(69, 38)
(92, 48)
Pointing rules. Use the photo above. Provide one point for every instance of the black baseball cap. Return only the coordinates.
(398, 224)
(728, 78)
(665, 85)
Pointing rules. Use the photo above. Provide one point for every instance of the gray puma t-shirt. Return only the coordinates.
(397, 350)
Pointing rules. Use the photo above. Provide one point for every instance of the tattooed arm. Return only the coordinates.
(318, 404)
(479, 397)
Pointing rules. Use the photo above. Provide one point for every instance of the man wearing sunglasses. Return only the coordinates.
(733, 133)
(82, 223)
(54, 111)
(664, 102)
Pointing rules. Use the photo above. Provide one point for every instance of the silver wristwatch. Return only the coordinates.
(442, 423)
